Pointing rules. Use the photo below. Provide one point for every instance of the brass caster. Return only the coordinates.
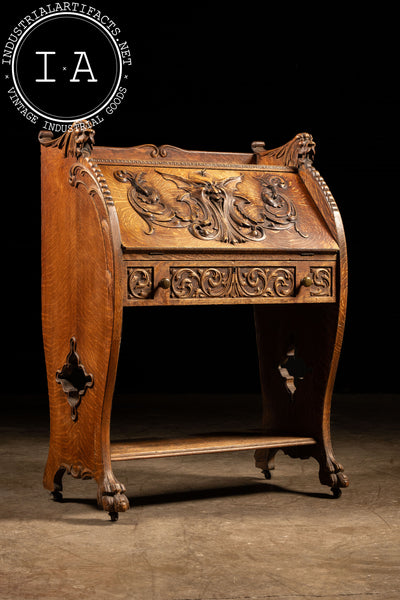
(336, 492)
(57, 496)
(267, 473)
(113, 516)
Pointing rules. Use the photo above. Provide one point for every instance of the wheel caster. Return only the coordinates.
(57, 496)
(267, 473)
(113, 516)
(336, 492)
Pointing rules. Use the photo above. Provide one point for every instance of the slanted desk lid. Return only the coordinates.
(205, 205)
(172, 199)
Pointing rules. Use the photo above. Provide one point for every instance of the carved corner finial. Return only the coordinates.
(300, 150)
(77, 141)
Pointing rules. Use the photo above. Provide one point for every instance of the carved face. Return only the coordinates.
(214, 192)
(304, 147)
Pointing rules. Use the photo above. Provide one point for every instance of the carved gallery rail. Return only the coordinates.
(148, 226)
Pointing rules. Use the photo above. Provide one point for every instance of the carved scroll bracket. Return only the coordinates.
(73, 379)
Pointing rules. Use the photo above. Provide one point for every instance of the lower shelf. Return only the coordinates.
(202, 444)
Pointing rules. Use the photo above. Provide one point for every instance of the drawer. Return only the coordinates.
(171, 282)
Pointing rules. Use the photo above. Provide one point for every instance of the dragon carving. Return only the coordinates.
(213, 209)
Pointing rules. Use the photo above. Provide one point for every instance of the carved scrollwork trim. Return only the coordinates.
(78, 471)
(140, 282)
(322, 281)
(101, 181)
(232, 282)
(158, 151)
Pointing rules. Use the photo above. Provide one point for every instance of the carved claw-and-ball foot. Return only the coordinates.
(111, 497)
(114, 504)
(331, 473)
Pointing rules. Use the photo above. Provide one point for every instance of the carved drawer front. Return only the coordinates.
(228, 282)
(232, 282)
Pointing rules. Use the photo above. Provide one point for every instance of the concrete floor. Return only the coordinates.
(206, 527)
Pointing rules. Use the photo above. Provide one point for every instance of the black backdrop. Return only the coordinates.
(216, 76)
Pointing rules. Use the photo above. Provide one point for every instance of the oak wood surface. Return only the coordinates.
(205, 443)
(147, 226)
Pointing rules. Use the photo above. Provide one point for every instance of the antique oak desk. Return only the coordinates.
(148, 226)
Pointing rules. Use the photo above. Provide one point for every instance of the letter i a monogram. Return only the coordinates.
(82, 55)
(87, 70)
(53, 77)
(45, 78)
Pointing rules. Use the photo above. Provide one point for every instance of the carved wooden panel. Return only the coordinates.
(322, 281)
(169, 280)
(232, 282)
(140, 282)
(212, 208)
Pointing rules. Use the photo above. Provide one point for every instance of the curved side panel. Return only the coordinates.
(311, 335)
(331, 472)
(80, 302)
(328, 207)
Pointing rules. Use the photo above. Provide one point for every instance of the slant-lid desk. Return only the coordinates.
(150, 226)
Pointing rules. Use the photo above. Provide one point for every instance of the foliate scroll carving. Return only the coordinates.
(140, 282)
(78, 471)
(322, 281)
(232, 282)
(212, 209)
(279, 210)
(73, 379)
(300, 150)
(76, 141)
(158, 151)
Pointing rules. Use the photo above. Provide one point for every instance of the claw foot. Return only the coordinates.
(331, 473)
(111, 497)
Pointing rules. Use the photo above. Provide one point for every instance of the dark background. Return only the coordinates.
(216, 77)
